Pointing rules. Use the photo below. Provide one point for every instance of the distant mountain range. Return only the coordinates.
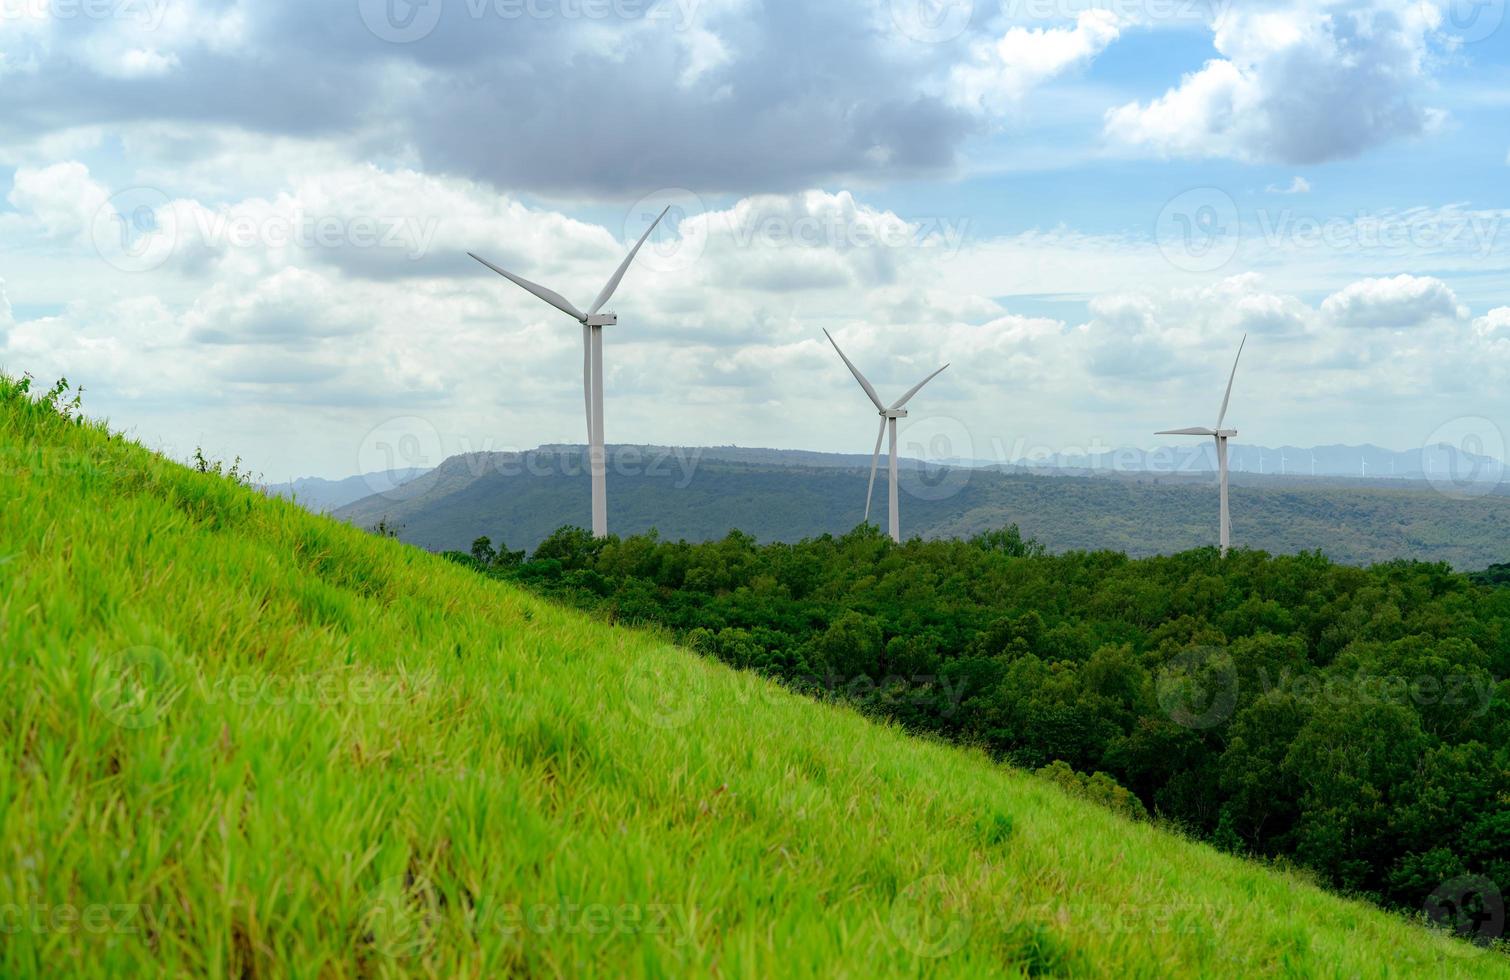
(703, 493)
(323, 496)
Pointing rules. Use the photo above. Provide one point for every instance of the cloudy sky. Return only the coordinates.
(244, 226)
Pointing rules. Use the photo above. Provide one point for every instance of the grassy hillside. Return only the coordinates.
(242, 740)
(703, 499)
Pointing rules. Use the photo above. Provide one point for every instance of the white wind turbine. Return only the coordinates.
(593, 323)
(889, 418)
(1221, 435)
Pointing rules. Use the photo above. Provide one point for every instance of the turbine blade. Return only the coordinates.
(917, 388)
(1228, 396)
(875, 398)
(1198, 430)
(549, 295)
(875, 459)
(618, 276)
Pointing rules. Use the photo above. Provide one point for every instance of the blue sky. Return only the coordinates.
(244, 227)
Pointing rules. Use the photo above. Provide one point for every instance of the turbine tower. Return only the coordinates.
(593, 323)
(1221, 435)
(1283, 461)
(889, 416)
(1313, 462)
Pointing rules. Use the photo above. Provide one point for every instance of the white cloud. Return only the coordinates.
(1298, 185)
(1001, 72)
(1400, 303)
(62, 198)
(1310, 82)
(1494, 325)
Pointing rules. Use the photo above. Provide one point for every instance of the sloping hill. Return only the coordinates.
(239, 739)
(521, 500)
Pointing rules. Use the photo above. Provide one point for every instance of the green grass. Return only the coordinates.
(239, 739)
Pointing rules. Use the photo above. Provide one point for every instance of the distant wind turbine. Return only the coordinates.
(889, 416)
(593, 323)
(1364, 461)
(1221, 435)
(1313, 462)
(1282, 461)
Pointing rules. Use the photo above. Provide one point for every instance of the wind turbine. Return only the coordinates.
(889, 418)
(1313, 462)
(593, 323)
(1283, 461)
(1221, 435)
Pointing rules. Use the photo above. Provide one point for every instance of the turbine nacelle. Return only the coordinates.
(894, 413)
(602, 319)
